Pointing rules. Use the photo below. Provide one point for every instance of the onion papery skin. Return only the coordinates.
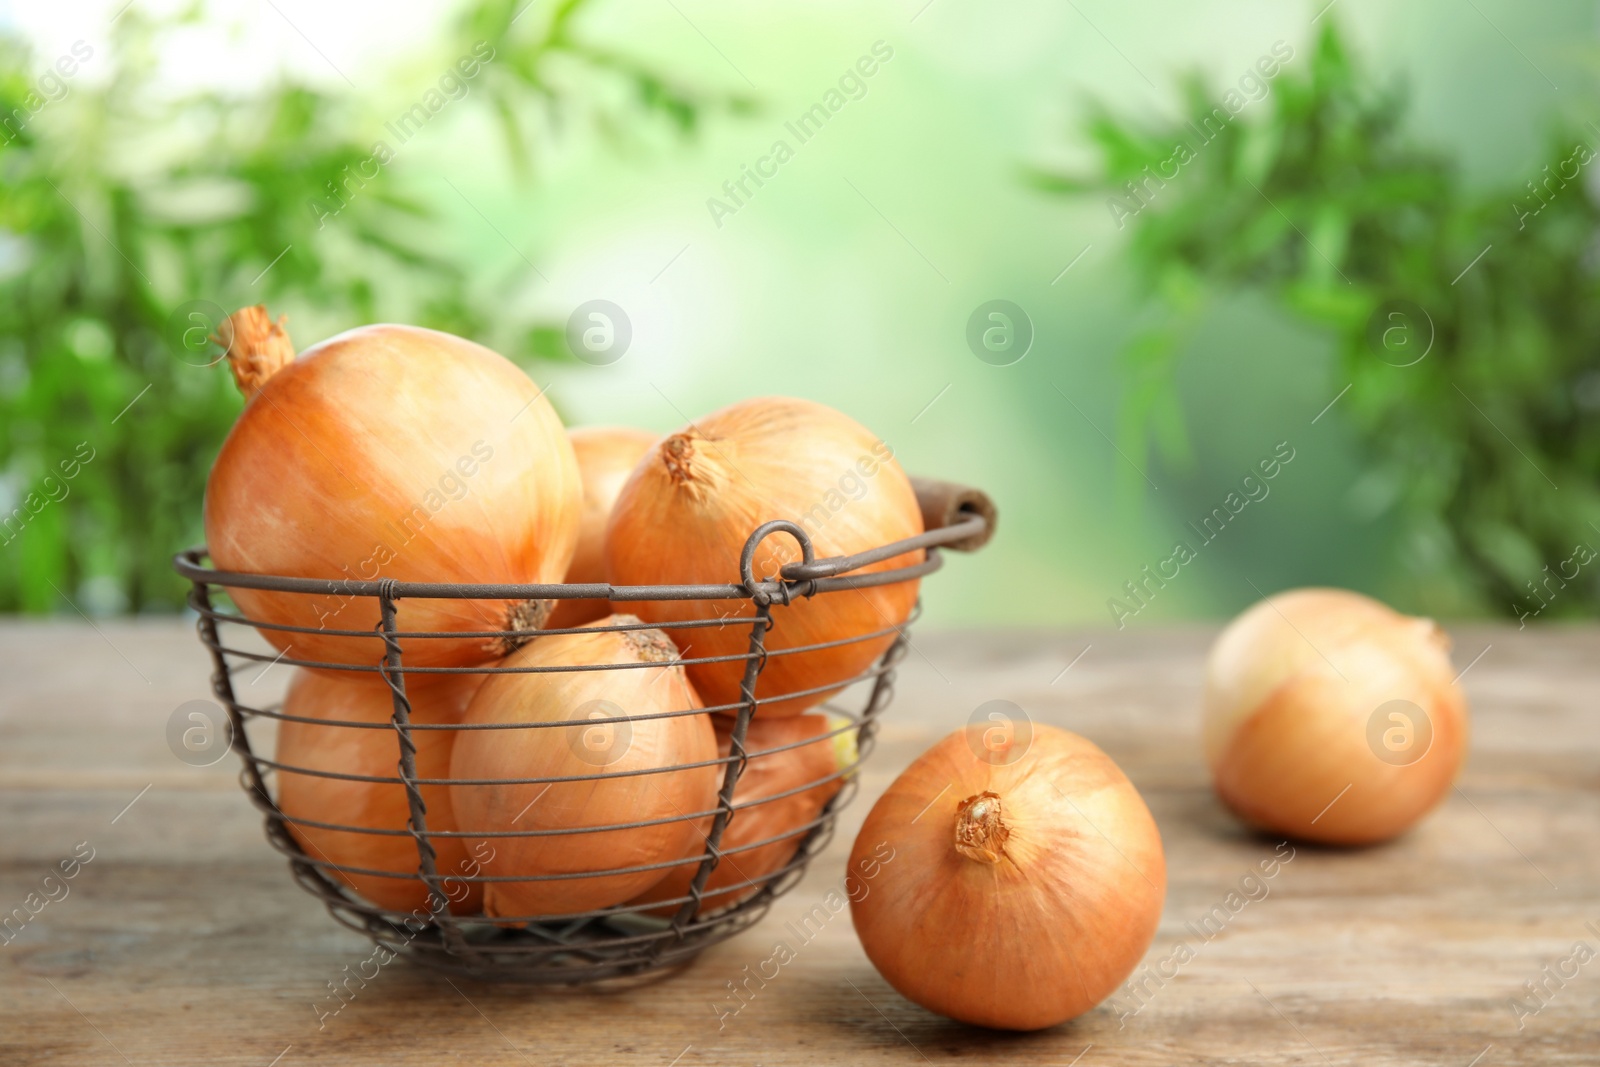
(605, 799)
(357, 697)
(756, 817)
(1047, 930)
(1292, 685)
(698, 495)
(394, 452)
(606, 457)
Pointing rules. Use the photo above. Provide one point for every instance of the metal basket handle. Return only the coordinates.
(953, 516)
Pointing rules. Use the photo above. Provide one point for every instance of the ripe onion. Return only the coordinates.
(351, 697)
(389, 452)
(1024, 884)
(696, 497)
(600, 753)
(606, 456)
(1331, 717)
(773, 809)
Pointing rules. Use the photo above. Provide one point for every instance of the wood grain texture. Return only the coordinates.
(183, 941)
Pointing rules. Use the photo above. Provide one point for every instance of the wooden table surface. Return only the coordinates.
(183, 940)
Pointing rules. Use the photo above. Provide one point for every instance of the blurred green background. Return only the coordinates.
(185, 164)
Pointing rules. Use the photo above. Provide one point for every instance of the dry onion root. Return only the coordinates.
(696, 497)
(779, 795)
(375, 753)
(602, 754)
(1330, 717)
(1024, 883)
(389, 452)
(606, 457)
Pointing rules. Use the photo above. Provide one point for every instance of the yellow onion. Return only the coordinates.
(1330, 717)
(389, 452)
(319, 746)
(696, 497)
(606, 456)
(1012, 884)
(773, 808)
(601, 753)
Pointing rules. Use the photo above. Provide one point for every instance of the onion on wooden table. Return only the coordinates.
(1022, 883)
(1331, 717)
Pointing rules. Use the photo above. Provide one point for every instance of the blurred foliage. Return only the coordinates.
(129, 216)
(1487, 446)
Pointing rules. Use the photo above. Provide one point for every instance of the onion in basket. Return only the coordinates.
(355, 697)
(1011, 884)
(773, 808)
(1331, 717)
(606, 456)
(389, 452)
(694, 500)
(606, 754)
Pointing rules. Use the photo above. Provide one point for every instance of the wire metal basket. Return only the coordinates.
(623, 940)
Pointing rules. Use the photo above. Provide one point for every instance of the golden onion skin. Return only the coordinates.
(761, 811)
(1330, 717)
(606, 457)
(698, 495)
(601, 756)
(1012, 888)
(394, 452)
(319, 746)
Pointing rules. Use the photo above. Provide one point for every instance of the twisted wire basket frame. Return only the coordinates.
(614, 942)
